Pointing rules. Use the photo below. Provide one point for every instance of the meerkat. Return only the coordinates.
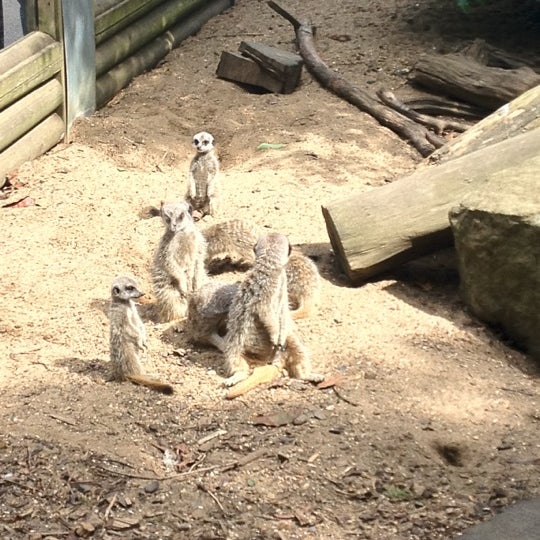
(208, 310)
(127, 340)
(178, 265)
(303, 285)
(259, 324)
(231, 243)
(204, 186)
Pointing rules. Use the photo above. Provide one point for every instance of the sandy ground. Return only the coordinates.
(434, 425)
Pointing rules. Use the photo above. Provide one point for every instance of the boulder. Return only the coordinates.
(496, 232)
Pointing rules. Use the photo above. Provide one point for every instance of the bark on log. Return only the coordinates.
(374, 231)
(520, 115)
(465, 79)
(418, 136)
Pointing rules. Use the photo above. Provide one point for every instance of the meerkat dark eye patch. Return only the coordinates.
(130, 288)
(181, 216)
(196, 142)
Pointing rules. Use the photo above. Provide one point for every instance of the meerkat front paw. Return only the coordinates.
(236, 378)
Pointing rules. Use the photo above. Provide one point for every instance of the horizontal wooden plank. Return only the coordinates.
(29, 111)
(32, 145)
(114, 16)
(27, 75)
(22, 49)
(141, 32)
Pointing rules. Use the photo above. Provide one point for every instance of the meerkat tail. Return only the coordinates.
(260, 375)
(153, 384)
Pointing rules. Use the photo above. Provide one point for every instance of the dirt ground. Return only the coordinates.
(435, 423)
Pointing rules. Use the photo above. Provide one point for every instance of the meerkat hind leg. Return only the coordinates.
(297, 361)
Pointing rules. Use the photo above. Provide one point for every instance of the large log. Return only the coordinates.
(374, 231)
(466, 79)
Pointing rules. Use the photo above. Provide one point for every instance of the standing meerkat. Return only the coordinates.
(178, 265)
(232, 243)
(259, 324)
(204, 186)
(127, 340)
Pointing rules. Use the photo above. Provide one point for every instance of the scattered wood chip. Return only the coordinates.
(334, 379)
(20, 203)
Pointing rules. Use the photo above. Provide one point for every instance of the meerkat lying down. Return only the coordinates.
(257, 324)
(127, 339)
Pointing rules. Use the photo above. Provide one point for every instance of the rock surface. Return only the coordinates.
(497, 238)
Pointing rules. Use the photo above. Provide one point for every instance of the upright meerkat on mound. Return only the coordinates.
(204, 186)
(178, 265)
(128, 336)
(232, 243)
(259, 324)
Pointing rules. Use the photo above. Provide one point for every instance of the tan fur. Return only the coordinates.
(259, 323)
(128, 336)
(204, 185)
(178, 265)
(303, 285)
(208, 309)
(232, 243)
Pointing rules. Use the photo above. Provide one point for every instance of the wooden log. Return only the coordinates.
(30, 73)
(520, 115)
(27, 112)
(235, 67)
(113, 16)
(148, 56)
(32, 145)
(22, 49)
(466, 79)
(48, 17)
(374, 231)
(284, 65)
(138, 34)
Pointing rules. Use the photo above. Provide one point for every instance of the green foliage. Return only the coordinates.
(465, 5)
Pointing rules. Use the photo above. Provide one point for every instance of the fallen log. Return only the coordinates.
(375, 231)
(466, 79)
(417, 135)
(520, 115)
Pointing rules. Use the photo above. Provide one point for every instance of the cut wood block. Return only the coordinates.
(235, 67)
(285, 65)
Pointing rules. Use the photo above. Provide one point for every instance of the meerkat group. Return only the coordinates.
(251, 319)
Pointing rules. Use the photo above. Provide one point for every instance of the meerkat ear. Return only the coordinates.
(290, 250)
(190, 209)
(116, 290)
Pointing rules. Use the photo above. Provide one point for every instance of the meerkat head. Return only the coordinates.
(125, 288)
(203, 142)
(177, 216)
(276, 243)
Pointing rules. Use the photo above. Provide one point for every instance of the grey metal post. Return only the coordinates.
(79, 59)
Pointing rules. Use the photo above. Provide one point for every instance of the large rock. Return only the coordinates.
(497, 237)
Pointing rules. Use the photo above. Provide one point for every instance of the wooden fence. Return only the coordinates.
(44, 76)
